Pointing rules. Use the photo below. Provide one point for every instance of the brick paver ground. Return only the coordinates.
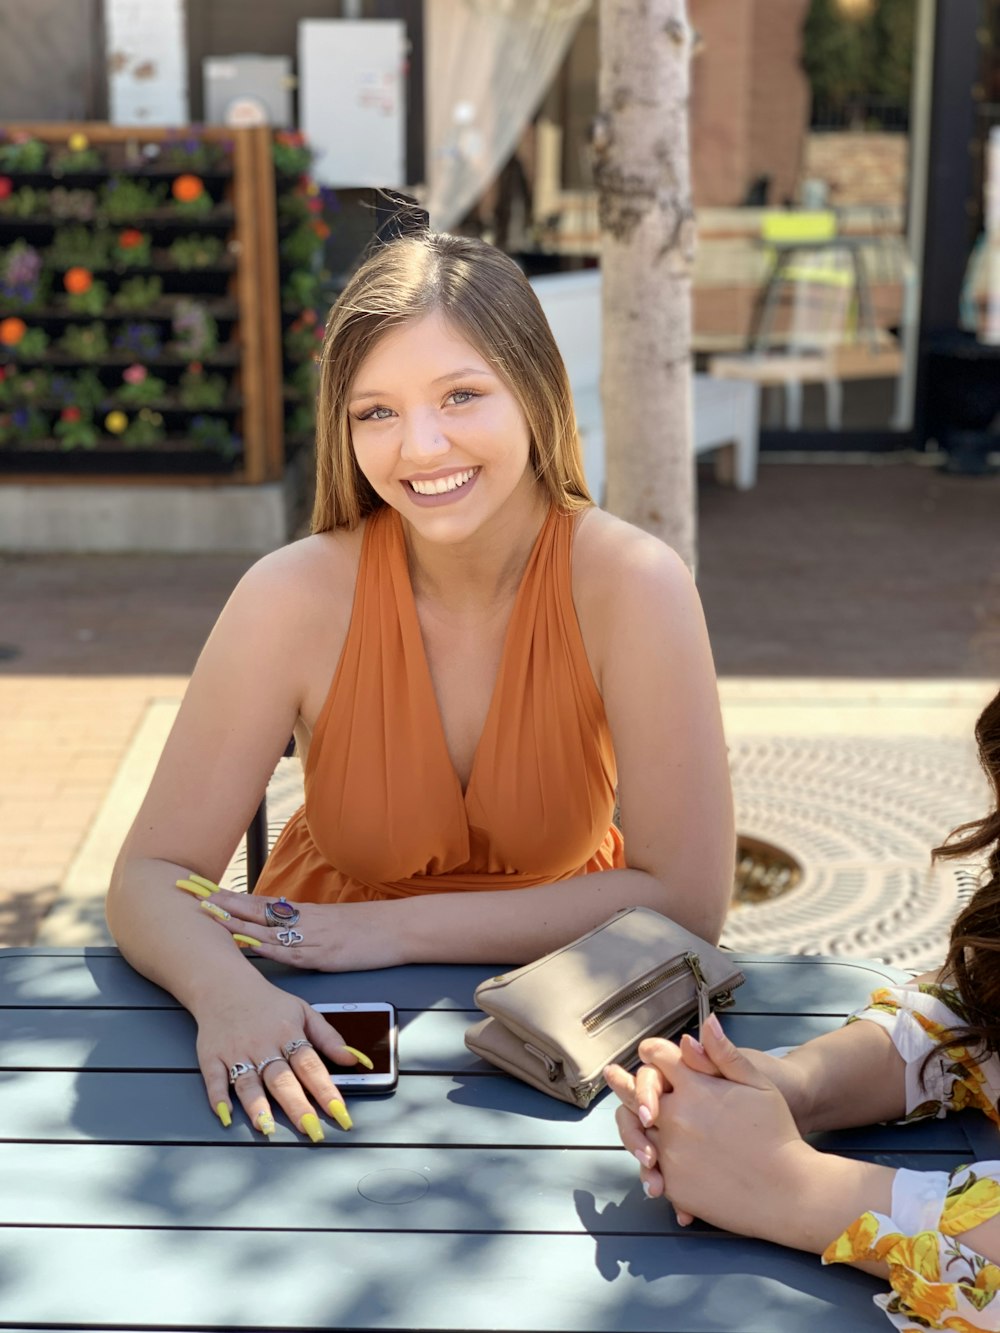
(822, 570)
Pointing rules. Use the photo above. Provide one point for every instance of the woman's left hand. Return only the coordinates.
(727, 1146)
(325, 937)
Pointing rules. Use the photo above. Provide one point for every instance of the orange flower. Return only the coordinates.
(320, 228)
(12, 330)
(130, 238)
(78, 280)
(186, 189)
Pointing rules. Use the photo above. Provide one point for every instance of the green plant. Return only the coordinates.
(137, 294)
(64, 203)
(72, 246)
(214, 435)
(22, 283)
(195, 208)
(132, 248)
(85, 342)
(139, 388)
(194, 154)
(140, 339)
(26, 202)
(24, 423)
(189, 252)
(302, 338)
(91, 302)
(71, 160)
(303, 288)
(81, 390)
(22, 153)
(290, 153)
(302, 420)
(200, 390)
(32, 346)
(196, 334)
(76, 429)
(123, 198)
(303, 246)
(23, 386)
(145, 429)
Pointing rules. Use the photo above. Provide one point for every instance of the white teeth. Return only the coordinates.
(442, 484)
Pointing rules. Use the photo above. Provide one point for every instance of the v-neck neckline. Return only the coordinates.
(410, 607)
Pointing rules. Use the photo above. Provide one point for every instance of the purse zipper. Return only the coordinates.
(689, 962)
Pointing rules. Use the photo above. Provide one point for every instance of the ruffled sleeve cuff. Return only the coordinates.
(937, 1282)
(938, 1079)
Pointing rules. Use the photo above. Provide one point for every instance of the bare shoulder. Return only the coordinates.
(311, 580)
(618, 568)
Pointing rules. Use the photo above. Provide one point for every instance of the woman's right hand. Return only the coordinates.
(252, 1025)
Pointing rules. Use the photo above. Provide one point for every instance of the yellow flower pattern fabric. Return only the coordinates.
(937, 1282)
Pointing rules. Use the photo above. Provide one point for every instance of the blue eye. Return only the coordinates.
(461, 396)
(373, 414)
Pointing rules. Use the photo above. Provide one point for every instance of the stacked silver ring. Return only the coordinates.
(281, 913)
(299, 1044)
(269, 1060)
(240, 1068)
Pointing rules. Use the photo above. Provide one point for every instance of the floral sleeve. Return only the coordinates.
(917, 1017)
(937, 1282)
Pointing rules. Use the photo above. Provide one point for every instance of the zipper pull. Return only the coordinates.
(550, 1065)
(701, 986)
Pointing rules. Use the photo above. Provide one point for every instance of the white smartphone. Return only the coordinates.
(369, 1027)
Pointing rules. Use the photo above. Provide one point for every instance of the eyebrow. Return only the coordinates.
(441, 379)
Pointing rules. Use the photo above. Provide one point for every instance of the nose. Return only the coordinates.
(423, 439)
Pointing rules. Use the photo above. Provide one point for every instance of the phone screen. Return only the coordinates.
(370, 1032)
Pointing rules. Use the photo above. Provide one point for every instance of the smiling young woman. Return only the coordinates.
(476, 663)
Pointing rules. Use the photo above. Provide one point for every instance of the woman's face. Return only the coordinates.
(437, 433)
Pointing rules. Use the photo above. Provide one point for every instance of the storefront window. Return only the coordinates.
(806, 122)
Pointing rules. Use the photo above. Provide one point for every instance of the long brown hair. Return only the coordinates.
(973, 962)
(489, 301)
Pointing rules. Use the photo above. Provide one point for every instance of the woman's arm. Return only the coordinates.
(238, 712)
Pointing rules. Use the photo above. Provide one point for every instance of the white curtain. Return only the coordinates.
(489, 63)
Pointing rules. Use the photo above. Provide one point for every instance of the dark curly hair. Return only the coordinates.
(973, 961)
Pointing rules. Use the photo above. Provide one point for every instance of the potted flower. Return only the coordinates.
(20, 341)
(132, 248)
(21, 276)
(190, 195)
(76, 429)
(77, 156)
(84, 295)
(139, 387)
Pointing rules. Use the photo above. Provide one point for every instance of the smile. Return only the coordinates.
(442, 485)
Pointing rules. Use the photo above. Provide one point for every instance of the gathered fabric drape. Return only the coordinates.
(489, 63)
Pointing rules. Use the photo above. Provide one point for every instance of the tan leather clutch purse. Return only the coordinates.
(557, 1022)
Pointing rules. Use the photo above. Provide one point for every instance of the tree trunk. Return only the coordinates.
(642, 169)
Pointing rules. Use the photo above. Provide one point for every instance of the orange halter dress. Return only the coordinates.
(385, 815)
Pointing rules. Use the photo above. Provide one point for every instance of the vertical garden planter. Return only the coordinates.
(148, 318)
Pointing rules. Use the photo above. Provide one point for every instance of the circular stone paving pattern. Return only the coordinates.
(860, 816)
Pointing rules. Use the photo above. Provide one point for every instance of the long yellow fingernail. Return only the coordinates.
(360, 1056)
(205, 883)
(222, 1111)
(339, 1112)
(248, 939)
(309, 1124)
(265, 1122)
(189, 886)
(220, 912)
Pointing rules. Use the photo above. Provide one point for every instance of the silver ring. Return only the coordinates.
(269, 1060)
(289, 936)
(281, 913)
(239, 1069)
(299, 1044)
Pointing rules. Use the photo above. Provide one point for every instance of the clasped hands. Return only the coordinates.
(712, 1132)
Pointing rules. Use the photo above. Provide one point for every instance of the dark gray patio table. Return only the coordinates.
(466, 1201)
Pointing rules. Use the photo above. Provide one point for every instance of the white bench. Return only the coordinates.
(725, 412)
